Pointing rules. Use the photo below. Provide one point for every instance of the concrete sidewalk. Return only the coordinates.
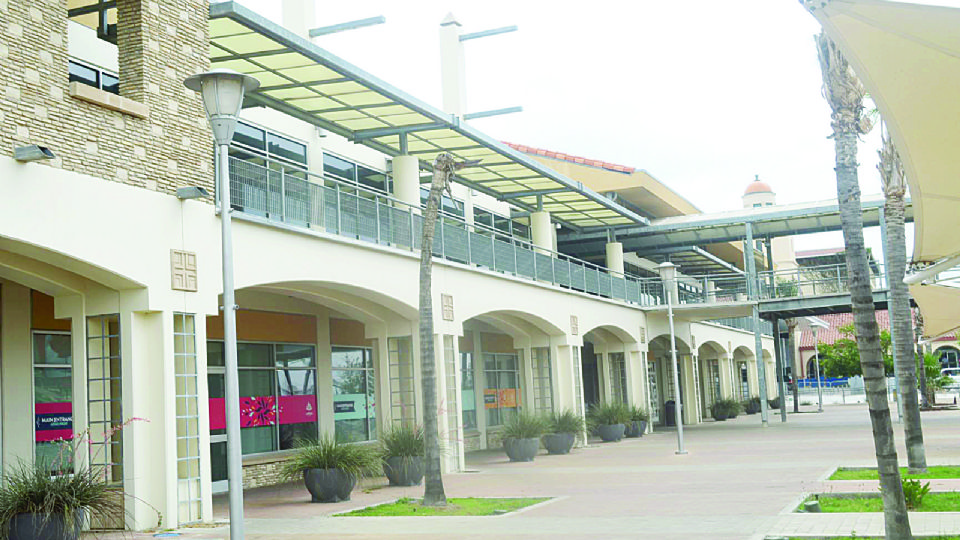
(738, 481)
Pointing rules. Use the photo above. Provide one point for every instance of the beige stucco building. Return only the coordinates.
(110, 284)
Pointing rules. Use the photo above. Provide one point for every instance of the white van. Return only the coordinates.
(953, 373)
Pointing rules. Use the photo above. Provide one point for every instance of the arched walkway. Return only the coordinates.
(662, 385)
(712, 361)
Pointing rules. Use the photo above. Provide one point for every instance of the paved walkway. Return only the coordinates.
(738, 481)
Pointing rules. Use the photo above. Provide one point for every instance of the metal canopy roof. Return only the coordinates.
(307, 82)
(695, 230)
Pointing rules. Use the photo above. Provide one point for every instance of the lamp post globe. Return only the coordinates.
(222, 91)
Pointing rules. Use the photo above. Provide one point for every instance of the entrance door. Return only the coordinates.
(591, 376)
(218, 437)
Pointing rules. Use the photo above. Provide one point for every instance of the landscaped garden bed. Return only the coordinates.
(455, 507)
(871, 502)
(868, 473)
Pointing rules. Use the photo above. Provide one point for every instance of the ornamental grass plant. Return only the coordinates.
(639, 414)
(356, 460)
(525, 425)
(610, 413)
(404, 440)
(566, 421)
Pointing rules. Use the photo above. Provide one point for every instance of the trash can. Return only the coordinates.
(670, 413)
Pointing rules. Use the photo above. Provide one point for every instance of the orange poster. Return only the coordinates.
(508, 398)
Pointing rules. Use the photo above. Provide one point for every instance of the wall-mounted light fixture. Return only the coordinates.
(192, 192)
(32, 152)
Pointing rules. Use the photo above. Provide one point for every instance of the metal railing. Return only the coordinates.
(279, 192)
(745, 323)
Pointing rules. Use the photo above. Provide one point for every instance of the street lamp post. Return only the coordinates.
(668, 276)
(222, 91)
(816, 356)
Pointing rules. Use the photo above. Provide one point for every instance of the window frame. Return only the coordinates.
(33, 381)
(265, 151)
(372, 434)
(519, 388)
(101, 72)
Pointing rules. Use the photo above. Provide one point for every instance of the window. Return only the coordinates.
(261, 142)
(354, 394)
(501, 396)
(468, 394)
(948, 357)
(356, 174)
(278, 396)
(618, 376)
(744, 381)
(542, 379)
(94, 77)
(52, 398)
(188, 422)
(100, 15)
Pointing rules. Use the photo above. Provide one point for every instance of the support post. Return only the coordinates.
(758, 342)
(779, 355)
(668, 276)
(816, 349)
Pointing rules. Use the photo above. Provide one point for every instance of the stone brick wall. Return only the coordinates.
(160, 43)
(263, 472)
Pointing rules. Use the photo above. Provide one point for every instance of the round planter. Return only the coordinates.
(559, 443)
(328, 485)
(611, 432)
(403, 471)
(632, 429)
(521, 449)
(43, 527)
(643, 427)
(719, 416)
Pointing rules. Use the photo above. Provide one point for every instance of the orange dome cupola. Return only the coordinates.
(758, 186)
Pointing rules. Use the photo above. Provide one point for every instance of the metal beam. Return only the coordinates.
(494, 112)
(539, 193)
(351, 25)
(487, 33)
(383, 132)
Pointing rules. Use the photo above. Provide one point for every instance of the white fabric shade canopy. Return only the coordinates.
(908, 57)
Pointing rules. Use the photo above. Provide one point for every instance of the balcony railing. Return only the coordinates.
(279, 192)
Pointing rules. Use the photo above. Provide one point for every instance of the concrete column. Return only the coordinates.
(406, 180)
(541, 230)
(324, 376)
(452, 67)
(459, 463)
(615, 257)
(299, 16)
(17, 373)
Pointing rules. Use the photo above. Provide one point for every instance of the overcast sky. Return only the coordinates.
(701, 94)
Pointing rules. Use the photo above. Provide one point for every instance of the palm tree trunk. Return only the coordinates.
(922, 369)
(433, 494)
(902, 328)
(845, 95)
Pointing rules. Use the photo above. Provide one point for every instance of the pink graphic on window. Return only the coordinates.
(262, 411)
(258, 411)
(298, 409)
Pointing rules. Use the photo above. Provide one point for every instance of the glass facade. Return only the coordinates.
(354, 394)
(188, 419)
(278, 395)
(501, 395)
(542, 379)
(355, 173)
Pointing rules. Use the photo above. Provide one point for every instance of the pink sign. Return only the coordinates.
(262, 411)
(298, 409)
(53, 421)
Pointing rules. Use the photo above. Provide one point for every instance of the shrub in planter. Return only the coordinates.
(48, 501)
(773, 403)
(719, 411)
(733, 407)
(752, 405)
(610, 419)
(330, 469)
(562, 428)
(638, 422)
(401, 449)
(521, 436)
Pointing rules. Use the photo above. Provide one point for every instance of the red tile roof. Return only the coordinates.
(572, 159)
(832, 334)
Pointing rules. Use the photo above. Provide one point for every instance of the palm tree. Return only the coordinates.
(901, 327)
(433, 494)
(844, 93)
